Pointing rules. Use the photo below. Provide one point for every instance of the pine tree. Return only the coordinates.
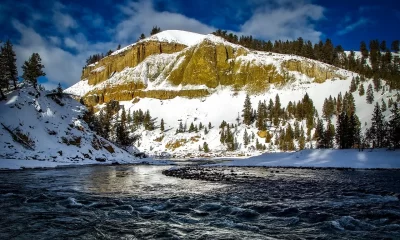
(205, 147)
(180, 129)
(142, 36)
(205, 131)
(200, 126)
(32, 69)
(395, 46)
(394, 127)
(147, 121)
(329, 134)
(209, 125)
(59, 90)
(4, 83)
(377, 131)
(162, 125)
(191, 128)
(341, 130)
(246, 139)
(370, 94)
(353, 85)
(364, 50)
(247, 111)
(361, 90)
(276, 110)
(223, 137)
(155, 30)
(302, 140)
(8, 61)
(319, 134)
(122, 130)
(384, 107)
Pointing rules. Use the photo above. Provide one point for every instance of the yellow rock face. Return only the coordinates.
(129, 58)
(209, 63)
(312, 70)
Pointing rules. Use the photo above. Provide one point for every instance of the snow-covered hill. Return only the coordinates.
(298, 76)
(52, 130)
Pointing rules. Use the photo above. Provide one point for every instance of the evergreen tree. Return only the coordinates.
(148, 122)
(395, 46)
(384, 107)
(246, 139)
(162, 125)
(205, 131)
(4, 83)
(361, 90)
(329, 134)
(59, 90)
(353, 85)
(319, 134)
(155, 30)
(394, 127)
(247, 111)
(261, 110)
(142, 36)
(370, 94)
(191, 128)
(223, 137)
(205, 147)
(8, 64)
(200, 126)
(377, 131)
(180, 129)
(276, 110)
(122, 130)
(209, 125)
(341, 130)
(32, 69)
(302, 140)
(364, 50)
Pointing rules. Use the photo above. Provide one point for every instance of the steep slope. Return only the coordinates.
(49, 128)
(207, 81)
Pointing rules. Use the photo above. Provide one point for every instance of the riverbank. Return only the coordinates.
(323, 158)
(16, 164)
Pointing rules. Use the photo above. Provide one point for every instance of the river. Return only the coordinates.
(139, 202)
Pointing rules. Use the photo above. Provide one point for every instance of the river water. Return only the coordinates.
(139, 202)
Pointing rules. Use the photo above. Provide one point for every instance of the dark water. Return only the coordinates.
(138, 202)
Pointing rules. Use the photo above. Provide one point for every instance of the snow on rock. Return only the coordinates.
(177, 36)
(170, 36)
(340, 158)
(51, 132)
(80, 88)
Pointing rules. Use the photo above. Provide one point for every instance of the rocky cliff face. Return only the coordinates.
(130, 58)
(165, 70)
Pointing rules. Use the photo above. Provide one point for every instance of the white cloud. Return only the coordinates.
(284, 20)
(141, 16)
(60, 65)
(62, 21)
(351, 27)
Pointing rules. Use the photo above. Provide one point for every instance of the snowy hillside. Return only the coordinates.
(223, 102)
(170, 36)
(50, 129)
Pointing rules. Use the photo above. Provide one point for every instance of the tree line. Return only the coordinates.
(32, 68)
(274, 120)
(381, 64)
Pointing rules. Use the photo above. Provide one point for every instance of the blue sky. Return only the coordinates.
(65, 33)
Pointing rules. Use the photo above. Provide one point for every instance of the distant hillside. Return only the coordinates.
(189, 79)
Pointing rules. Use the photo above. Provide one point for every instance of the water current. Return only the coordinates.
(139, 202)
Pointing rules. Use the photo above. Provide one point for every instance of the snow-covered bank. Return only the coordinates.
(15, 164)
(346, 158)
